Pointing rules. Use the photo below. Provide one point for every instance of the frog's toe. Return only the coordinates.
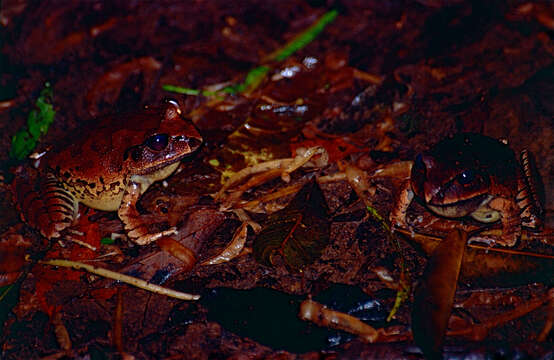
(141, 236)
(398, 222)
(482, 239)
(506, 239)
(509, 239)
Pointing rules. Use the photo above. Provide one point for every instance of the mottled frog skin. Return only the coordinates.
(473, 175)
(108, 168)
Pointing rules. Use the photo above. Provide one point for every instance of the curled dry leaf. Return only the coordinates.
(435, 295)
(61, 332)
(479, 331)
(322, 316)
(233, 249)
(260, 173)
(299, 232)
(178, 250)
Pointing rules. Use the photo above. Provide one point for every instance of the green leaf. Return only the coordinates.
(299, 232)
(107, 241)
(304, 38)
(254, 78)
(38, 122)
(22, 144)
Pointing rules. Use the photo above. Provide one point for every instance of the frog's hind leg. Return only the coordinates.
(45, 205)
(528, 196)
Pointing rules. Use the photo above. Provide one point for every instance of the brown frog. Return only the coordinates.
(477, 176)
(108, 168)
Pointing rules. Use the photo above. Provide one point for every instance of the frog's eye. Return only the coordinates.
(157, 142)
(419, 165)
(466, 177)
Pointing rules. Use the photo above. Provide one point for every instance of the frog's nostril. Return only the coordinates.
(194, 142)
(136, 154)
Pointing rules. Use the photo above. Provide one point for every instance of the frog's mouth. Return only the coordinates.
(459, 208)
(166, 163)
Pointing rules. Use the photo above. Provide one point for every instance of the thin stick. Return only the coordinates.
(121, 277)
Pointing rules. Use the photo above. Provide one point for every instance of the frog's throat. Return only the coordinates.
(461, 208)
(147, 179)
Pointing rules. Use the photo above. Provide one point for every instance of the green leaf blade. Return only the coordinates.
(305, 37)
(256, 76)
(38, 123)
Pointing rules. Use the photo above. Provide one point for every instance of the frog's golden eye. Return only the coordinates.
(157, 142)
(466, 177)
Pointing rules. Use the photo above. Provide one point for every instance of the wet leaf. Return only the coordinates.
(13, 248)
(435, 295)
(179, 251)
(38, 122)
(490, 266)
(299, 232)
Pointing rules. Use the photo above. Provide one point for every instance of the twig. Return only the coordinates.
(121, 277)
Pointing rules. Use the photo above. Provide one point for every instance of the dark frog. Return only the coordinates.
(477, 176)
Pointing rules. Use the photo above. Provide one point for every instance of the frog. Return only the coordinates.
(107, 168)
(477, 176)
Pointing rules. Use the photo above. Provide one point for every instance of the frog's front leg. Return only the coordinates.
(510, 219)
(402, 202)
(137, 229)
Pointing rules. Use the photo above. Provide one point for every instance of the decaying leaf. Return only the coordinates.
(299, 232)
(435, 295)
(233, 249)
(61, 332)
(322, 316)
(12, 257)
(178, 250)
(490, 266)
